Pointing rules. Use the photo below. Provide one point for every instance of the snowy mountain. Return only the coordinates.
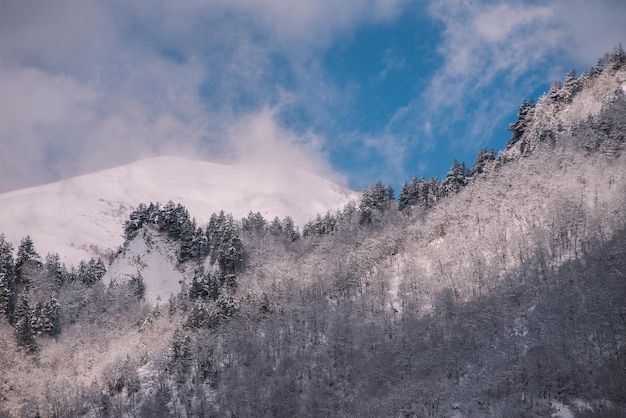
(503, 297)
(82, 217)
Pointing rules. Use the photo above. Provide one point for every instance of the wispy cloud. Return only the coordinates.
(90, 84)
(392, 60)
(496, 52)
(258, 138)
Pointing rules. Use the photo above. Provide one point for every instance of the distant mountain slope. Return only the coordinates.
(83, 216)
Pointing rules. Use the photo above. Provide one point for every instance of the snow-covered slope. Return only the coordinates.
(83, 216)
(153, 257)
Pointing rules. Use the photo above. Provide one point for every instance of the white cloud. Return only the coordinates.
(53, 125)
(501, 22)
(88, 84)
(259, 139)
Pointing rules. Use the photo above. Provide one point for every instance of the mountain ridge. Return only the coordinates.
(83, 216)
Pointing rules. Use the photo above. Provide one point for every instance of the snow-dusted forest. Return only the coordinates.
(496, 291)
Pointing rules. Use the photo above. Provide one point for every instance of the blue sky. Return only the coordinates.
(356, 91)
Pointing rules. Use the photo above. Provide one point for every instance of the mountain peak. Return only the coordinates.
(83, 216)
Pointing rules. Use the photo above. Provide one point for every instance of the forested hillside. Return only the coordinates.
(496, 291)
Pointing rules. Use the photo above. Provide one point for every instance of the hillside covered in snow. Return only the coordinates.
(83, 217)
(497, 291)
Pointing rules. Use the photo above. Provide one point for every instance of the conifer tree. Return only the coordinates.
(524, 116)
(7, 277)
(51, 319)
(254, 222)
(5, 293)
(276, 227)
(618, 57)
(482, 158)
(290, 229)
(230, 247)
(55, 271)
(456, 178)
(404, 201)
(27, 261)
(138, 286)
(24, 332)
(91, 272)
(571, 85)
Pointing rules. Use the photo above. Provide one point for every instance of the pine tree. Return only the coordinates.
(373, 198)
(598, 68)
(55, 271)
(254, 222)
(230, 247)
(618, 57)
(482, 158)
(136, 220)
(571, 85)
(555, 93)
(404, 201)
(214, 232)
(390, 193)
(276, 227)
(227, 304)
(7, 277)
(138, 286)
(204, 285)
(290, 229)
(433, 192)
(524, 116)
(24, 325)
(5, 293)
(51, 319)
(27, 261)
(456, 178)
(91, 272)
(181, 351)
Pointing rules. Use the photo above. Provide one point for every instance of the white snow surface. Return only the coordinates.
(152, 256)
(562, 410)
(83, 216)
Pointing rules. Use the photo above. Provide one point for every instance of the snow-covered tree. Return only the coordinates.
(7, 276)
(456, 178)
(230, 253)
(50, 321)
(138, 286)
(571, 86)
(254, 222)
(91, 272)
(554, 93)
(618, 57)
(405, 199)
(24, 321)
(374, 198)
(275, 227)
(321, 225)
(205, 285)
(290, 229)
(524, 117)
(27, 261)
(55, 270)
(482, 159)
